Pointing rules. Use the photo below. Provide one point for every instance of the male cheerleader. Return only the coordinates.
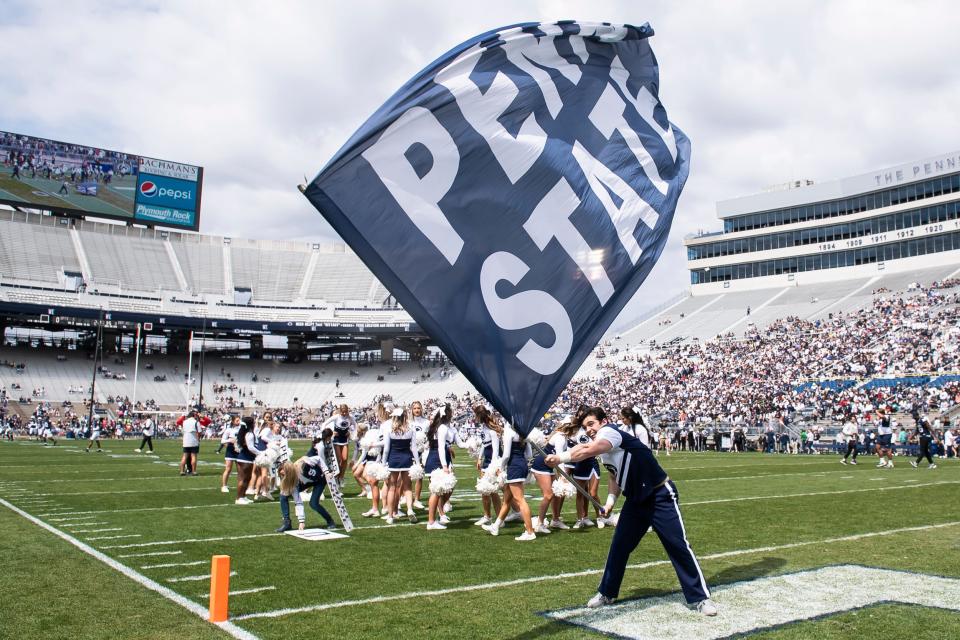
(851, 433)
(651, 500)
(884, 440)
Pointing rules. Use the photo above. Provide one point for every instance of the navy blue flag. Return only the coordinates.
(513, 196)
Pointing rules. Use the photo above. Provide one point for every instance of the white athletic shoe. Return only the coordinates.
(389, 520)
(251, 492)
(493, 528)
(411, 517)
(224, 489)
(558, 524)
(542, 529)
(418, 505)
(881, 464)
(482, 521)
(842, 461)
(932, 466)
(890, 464)
(599, 600)
(513, 516)
(526, 537)
(435, 526)
(137, 450)
(913, 464)
(444, 519)
(579, 524)
(243, 501)
(384, 516)
(370, 513)
(853, 462)
(707, 608)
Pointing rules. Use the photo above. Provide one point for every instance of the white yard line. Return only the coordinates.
(101, 493)
(817, 493)
(151, 553)
(75, 480)
(175, 564)
(81, 524)
(166, 542)
(70, 518)
(95, 530)
(129, 535)
(577, 574)
(139, 578)
(205, 576)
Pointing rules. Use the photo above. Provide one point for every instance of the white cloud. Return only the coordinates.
(263, 93)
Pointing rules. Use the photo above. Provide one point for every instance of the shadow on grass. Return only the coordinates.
(544, 630)
(762, 567)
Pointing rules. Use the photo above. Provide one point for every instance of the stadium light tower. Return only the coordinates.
(93, 385)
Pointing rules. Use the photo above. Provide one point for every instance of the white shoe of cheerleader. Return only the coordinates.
(482, 521)
(526, 537)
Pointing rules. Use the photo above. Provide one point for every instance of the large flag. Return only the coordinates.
(513, 196)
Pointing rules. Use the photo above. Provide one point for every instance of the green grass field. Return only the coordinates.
(115, 199)
(748, 517)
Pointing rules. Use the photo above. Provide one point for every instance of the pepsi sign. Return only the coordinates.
(513, 196)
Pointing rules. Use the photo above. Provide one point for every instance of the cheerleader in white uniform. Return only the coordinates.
(344, 429)
(370, 453)
(587, 474)
(420, 425)
(438, 457)
(227, 439)
(514, 465)
(491, 430)
(307, 472)
(399, 453)
(356, 467)
(556, 443)
(245, 444)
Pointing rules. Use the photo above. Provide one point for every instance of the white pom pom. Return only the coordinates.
(563, 489)
(370, 440)
(474, 446)
(487, 485)
(536, 437)
(416, 472)
(442, 482)
(376, 471)
(421, 438)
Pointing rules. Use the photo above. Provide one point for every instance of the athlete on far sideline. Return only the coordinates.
(924, 435)
(651, 500)
(146, 431)
(95, 435)
(884, 440)
(851, 434)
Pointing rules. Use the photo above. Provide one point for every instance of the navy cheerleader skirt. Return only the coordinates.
(400, 457)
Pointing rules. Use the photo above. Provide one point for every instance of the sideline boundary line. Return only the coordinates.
(139, 578)
(578, 574)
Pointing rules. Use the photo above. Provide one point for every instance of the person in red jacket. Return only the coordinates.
(192, 425)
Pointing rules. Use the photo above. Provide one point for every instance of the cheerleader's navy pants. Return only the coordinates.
(661, 510)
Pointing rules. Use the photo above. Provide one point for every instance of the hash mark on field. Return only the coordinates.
(205, 576)
(174, 564)
(81, 524)
(254, 590)
(130, 535)
(165, 542)
(578, 574)
(70, 518)
(152, 553)
(96, 530)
